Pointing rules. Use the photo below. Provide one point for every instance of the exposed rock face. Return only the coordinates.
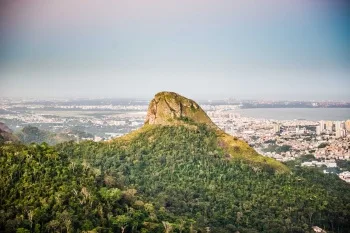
(5, 128)
(6, 134)
(171, 108)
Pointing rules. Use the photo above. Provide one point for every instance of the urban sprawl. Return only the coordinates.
(319, 144)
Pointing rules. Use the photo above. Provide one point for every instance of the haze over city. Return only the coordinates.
(294, 50)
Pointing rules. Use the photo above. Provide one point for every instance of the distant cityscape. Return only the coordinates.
(318, 144)
(321, 144)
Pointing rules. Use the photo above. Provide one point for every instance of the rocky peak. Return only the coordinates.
(168, 108)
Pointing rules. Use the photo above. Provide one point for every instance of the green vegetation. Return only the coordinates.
(171, 109)
(277, 148)
(323, 145)
(81, 134)
(46, 191)
(31, 134)
(3, 139)
(178, 173)
(161, 179)
(344, 164)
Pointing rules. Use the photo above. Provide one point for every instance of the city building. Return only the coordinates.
(300, 130)
(329, 126)
(347, 125)
(338, 125)
(340, 133)
(339, 129)
(318, 130)
(276, 128)
(345, 176)
(322, 126)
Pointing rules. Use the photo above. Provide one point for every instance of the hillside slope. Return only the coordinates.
(189, 179)
(177, 173)
(172, 109)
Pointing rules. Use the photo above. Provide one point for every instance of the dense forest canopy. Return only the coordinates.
(178, 173)
(167, 179)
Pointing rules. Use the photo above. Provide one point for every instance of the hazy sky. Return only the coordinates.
(270, 49)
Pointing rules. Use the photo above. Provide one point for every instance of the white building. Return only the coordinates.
(345, 176)
(339, 129)
(276, 128)
(322, 126)
(318, 130)
(329, 126)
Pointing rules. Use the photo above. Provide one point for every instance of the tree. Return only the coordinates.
(122, 221)
(22, 230)
(66, 220)
(167, 227)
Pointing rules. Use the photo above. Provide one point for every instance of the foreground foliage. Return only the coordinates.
(165, 179)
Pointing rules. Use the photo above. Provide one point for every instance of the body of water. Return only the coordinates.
(313, 114)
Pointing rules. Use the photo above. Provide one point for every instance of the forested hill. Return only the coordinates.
(172, 109)
(175, 174)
